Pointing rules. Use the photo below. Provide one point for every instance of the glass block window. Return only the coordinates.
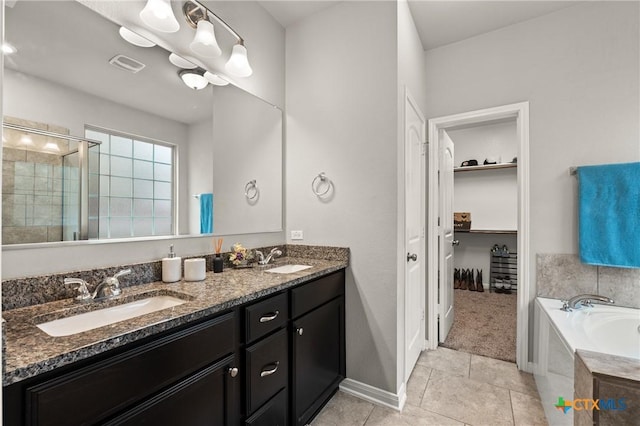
(137, 185)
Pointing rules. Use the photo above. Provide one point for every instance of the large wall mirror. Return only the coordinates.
(102, 139)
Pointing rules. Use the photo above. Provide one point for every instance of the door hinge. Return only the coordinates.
(423, 314)
(424, 148)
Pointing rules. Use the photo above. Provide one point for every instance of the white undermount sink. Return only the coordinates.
(288, 269)
(101, 317)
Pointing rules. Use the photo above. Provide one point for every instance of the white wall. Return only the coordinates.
(249, 135)
(200, 172)
(579, 69)
(342, 119)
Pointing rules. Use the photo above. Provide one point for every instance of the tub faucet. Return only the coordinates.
(110, 287)
(275, 252)
(581, 300)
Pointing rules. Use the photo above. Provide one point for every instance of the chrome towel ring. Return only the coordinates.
(251, 190)
(317, 183)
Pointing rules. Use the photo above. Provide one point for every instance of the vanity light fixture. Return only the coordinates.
(51, 146)
(238, 63)
(194, 78)
(25, 139)
(205, 44)
(181, 62)
(8, 48)
(157, 14)
(134, 38)
(215, 79)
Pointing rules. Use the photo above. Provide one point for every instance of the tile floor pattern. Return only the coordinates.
(448, 387)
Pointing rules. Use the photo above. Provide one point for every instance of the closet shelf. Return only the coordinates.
(485, 167)
(490, 231)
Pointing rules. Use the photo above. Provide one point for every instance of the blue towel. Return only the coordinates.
(609, 210)
(206, 213)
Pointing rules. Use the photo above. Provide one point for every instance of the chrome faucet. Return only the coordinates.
(110, 287)
(275, 252)
(83, 291)
(584, 300)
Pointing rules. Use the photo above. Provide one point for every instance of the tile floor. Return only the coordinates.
(448, 387)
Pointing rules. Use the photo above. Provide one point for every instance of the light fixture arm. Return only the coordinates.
(195, 11)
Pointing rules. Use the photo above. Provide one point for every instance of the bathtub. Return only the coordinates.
(607, 329)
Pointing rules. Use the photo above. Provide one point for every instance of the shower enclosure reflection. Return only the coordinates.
(46, 176)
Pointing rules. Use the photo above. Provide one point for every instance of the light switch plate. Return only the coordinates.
(297, 235)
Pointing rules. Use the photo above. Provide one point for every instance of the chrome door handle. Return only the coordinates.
(265, 373)
(413, 257)
(269, 318)
(300, 331)
(455, 242)
(233, 372)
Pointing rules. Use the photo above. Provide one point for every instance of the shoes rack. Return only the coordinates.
(503, 273)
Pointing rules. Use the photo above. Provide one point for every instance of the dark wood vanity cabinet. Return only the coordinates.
(189, 374)
(274, 362)
(318, 347)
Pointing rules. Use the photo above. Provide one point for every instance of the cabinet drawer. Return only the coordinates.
(267, 369)
(263, 317)
(273, 413)
(106, 387)
(314, 294)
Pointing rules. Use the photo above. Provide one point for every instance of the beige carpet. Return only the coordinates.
(484, 324)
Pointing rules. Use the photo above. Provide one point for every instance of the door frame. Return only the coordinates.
(519, 111)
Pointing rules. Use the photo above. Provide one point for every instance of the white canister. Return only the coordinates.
(194, 269)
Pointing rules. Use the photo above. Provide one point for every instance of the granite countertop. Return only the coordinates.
(30, 351)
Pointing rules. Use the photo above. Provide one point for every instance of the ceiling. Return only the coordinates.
(438, 22)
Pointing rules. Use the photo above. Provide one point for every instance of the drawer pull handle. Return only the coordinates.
(233, 372)
(270, 317)
(300, 331)
(270, 371)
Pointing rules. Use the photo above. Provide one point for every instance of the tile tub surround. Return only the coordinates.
(22, 292)
(562, 276)
(602, 376)
(29, 351)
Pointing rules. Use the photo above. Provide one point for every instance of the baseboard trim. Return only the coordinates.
(375, 395)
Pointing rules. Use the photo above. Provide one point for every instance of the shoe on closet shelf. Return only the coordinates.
(504, 251)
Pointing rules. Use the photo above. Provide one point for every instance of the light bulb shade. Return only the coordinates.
(204, 43)
(238, 63)
(134, 38)
(193, 79)
(52, 146)
(181, 62)
(158, 15)
(215, 79)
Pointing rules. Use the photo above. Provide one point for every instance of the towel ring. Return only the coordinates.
(318, 181)
(251, 190)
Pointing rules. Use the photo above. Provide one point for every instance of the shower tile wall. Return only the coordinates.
(32, 186)
(562, 276)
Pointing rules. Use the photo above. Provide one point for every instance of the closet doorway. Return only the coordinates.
(489, 180)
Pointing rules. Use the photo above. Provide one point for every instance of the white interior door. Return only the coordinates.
(414, 234)
(446, 236)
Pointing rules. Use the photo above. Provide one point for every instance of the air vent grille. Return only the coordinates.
(126, 63)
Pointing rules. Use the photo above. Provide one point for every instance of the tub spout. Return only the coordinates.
(582, 300)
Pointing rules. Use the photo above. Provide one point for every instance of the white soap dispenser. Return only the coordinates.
(171, 267)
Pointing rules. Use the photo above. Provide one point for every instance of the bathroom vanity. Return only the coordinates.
(248, 347)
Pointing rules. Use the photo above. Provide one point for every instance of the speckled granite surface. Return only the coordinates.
(28, 291)
(29, 351)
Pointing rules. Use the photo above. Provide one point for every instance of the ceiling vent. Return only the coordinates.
(126, 63)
